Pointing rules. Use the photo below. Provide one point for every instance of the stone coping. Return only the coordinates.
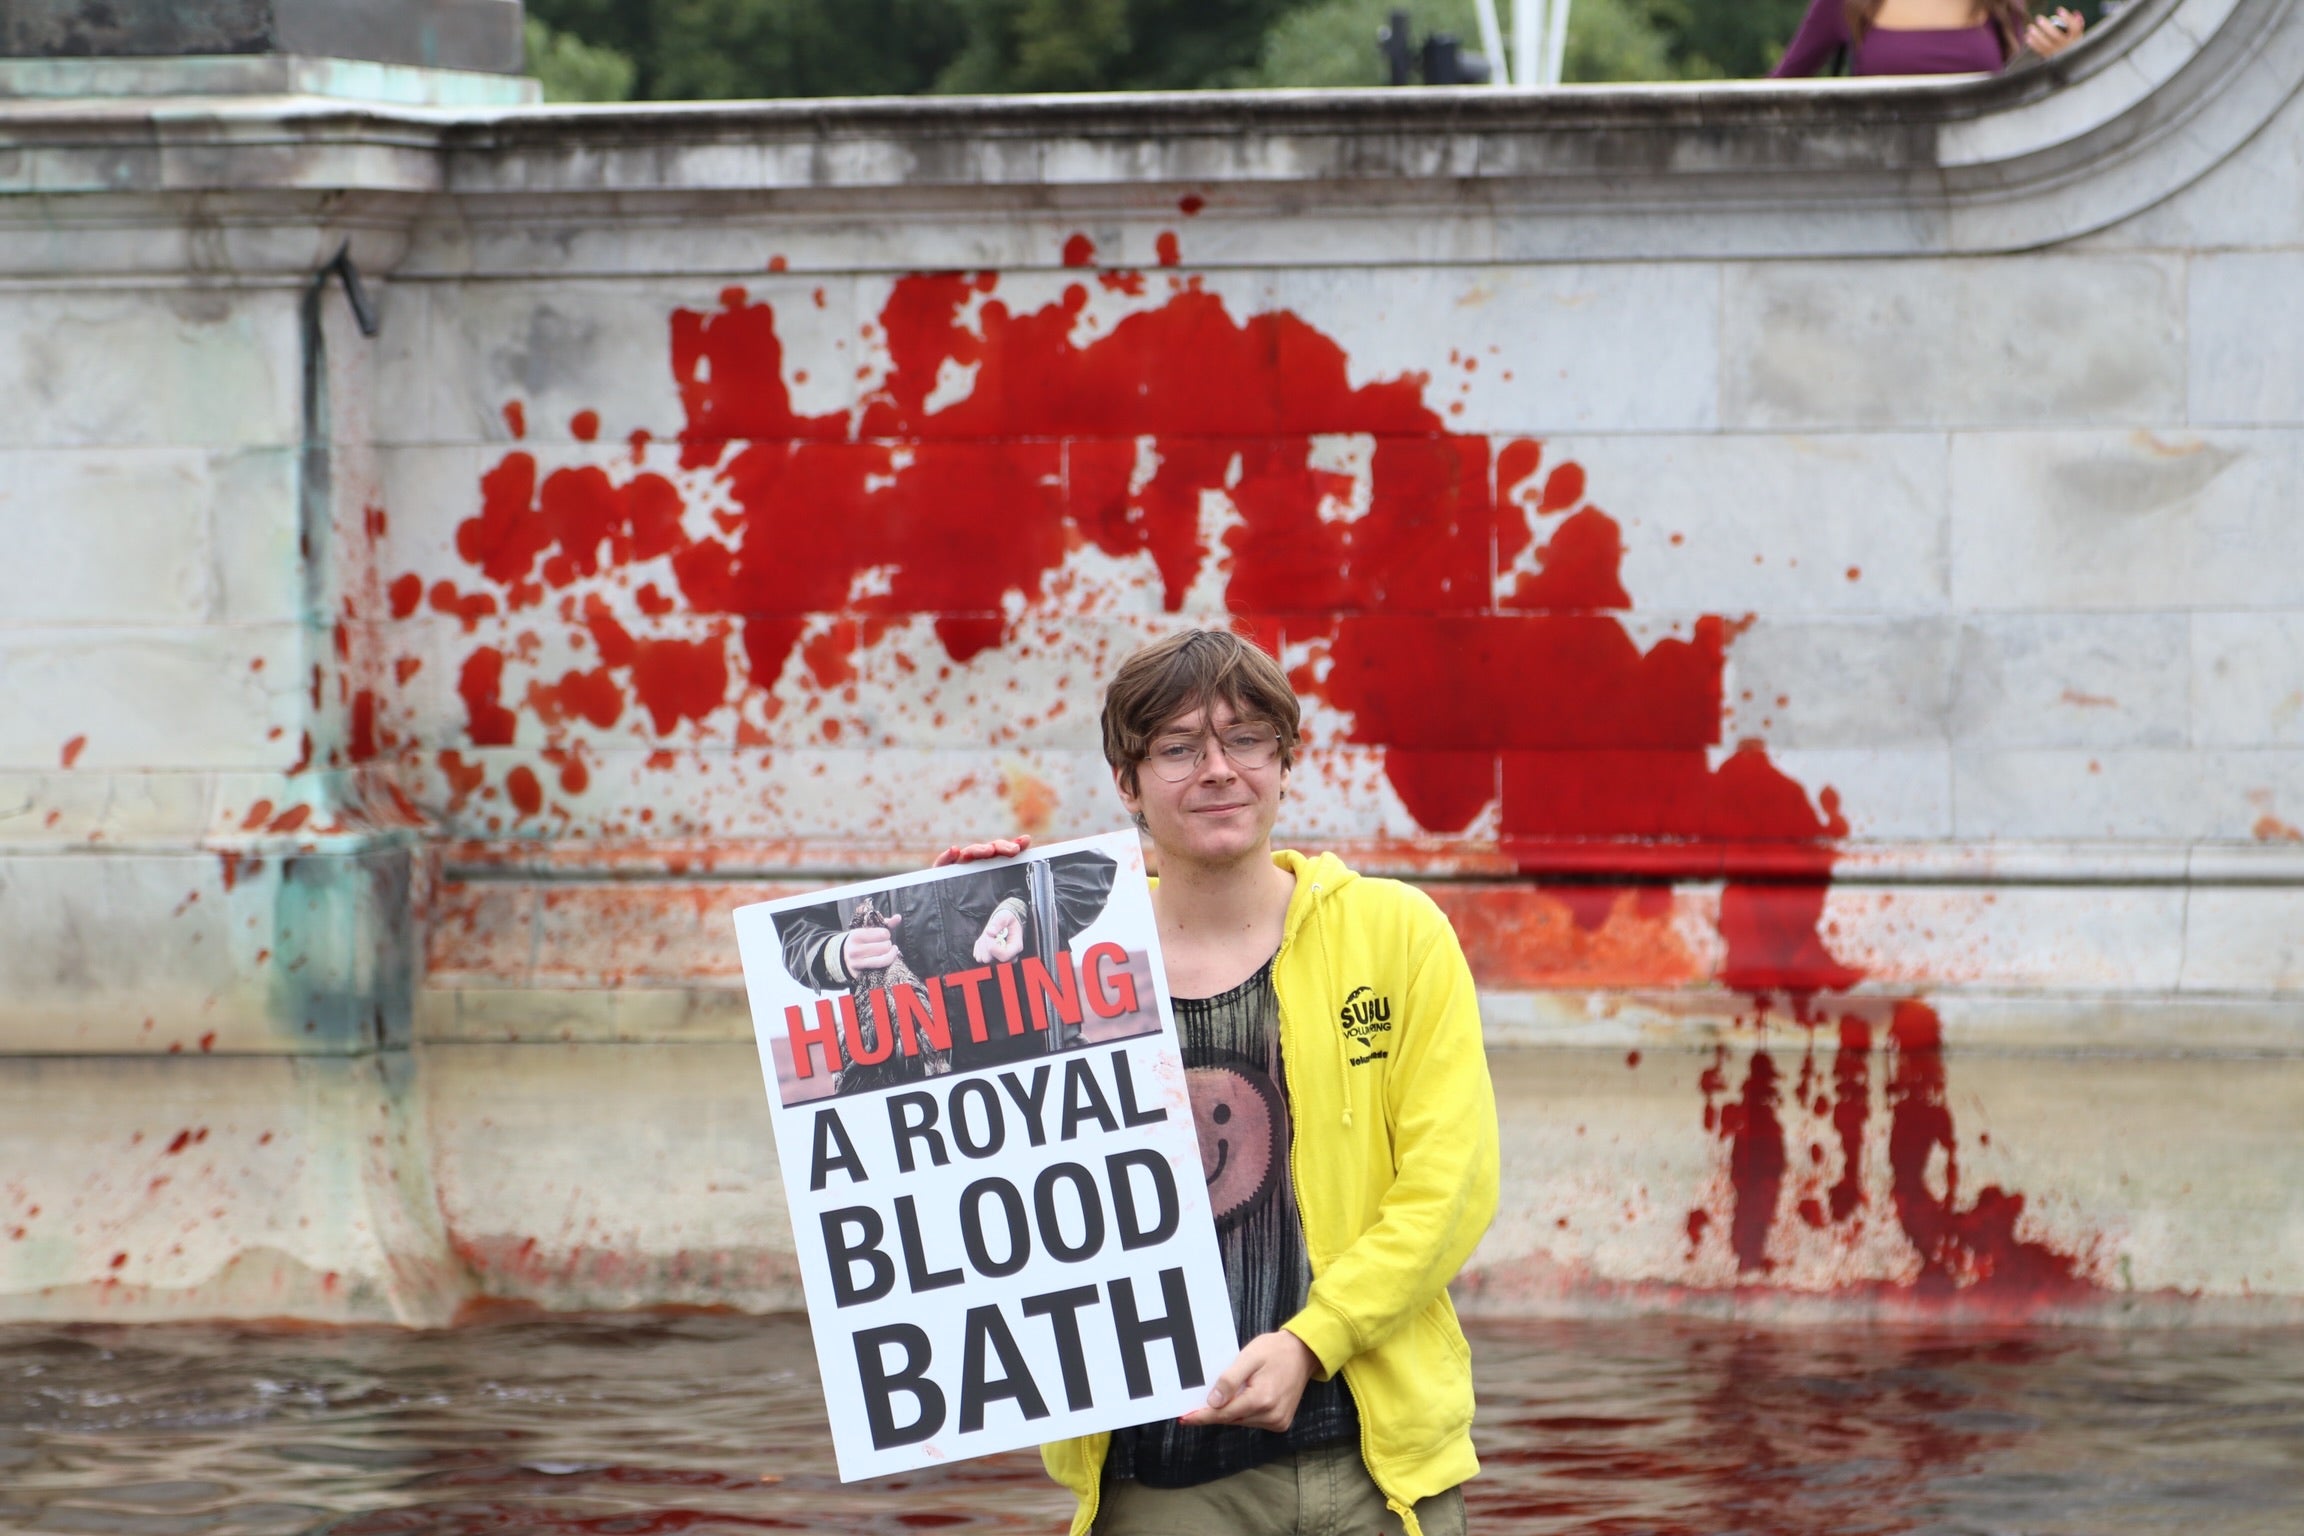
(2043, 153)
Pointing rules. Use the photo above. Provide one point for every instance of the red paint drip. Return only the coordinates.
(1079, 251)
(1165, 248)
(360, 746)
(73, 749)
(1976, 1247)
(516, 418)
(1755, 1163)
(1851, 1109)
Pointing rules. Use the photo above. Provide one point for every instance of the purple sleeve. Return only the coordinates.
(1823, 32)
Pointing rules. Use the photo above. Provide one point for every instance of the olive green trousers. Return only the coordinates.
(1324, 1492)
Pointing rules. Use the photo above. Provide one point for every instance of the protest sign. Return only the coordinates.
(989, 1153)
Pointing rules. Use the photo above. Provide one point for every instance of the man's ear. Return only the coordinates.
(1130, 802)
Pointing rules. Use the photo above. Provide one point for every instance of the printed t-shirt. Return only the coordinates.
(1231, 1046)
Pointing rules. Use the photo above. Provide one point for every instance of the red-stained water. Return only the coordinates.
(1642, 1427)
(1470, 619)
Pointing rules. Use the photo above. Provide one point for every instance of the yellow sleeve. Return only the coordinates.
(1443, 1194)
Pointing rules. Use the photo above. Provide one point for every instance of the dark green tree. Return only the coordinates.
(1112, 45)
(693, 49)
(1722, 39)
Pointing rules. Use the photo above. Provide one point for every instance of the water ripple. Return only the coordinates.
(672, 1425)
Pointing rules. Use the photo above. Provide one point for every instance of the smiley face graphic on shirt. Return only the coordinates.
(1243, 1124)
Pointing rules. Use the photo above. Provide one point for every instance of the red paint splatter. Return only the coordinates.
(592, 695)
(575, 778)
(1595, 754)
(207, 1044)
(1619, 752)
(183, 1140)
(777, 264)
(290, 819)
(481, 683)
(405, 593)
(527, 795)
(584, 426)
(463, 778)
(258, 814)
(1079, 251)
(1190, 203)
(468, 608)
(72, 750)
(361, 744)
(1166, 249)
(119, 1259)
(516, 418)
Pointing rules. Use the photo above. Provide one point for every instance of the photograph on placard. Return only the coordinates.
(969, 970)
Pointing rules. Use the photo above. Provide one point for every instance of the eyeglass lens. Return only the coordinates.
(1179, 757)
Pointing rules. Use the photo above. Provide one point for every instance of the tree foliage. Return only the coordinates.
(572, 69)
(721, 48)
(696, 49)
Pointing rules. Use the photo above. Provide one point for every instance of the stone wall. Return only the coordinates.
(1801, 573)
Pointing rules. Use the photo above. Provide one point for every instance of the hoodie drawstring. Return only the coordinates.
(1328, 967)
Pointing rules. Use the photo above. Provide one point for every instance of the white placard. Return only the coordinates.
(994, 1177)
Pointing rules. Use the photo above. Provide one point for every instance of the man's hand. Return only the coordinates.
(1003, 937)
(991, 848)
(869, 949)
(1262, 1385)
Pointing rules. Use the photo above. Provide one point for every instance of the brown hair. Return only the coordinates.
(2007, 17)
(1193, 669)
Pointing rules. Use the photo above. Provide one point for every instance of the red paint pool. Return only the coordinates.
(644, 1425)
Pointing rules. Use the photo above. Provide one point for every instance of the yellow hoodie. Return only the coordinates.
(1394, 1162)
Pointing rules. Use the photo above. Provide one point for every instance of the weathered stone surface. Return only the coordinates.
(1978, 344)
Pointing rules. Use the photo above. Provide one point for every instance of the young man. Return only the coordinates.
(1332, 1039)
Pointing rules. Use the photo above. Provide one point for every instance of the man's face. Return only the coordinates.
(1218, 810)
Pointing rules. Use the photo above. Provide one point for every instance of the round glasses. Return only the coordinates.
(1177, 758)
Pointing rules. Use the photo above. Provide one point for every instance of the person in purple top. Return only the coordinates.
(1923, 37)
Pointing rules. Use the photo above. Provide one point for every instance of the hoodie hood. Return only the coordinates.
(1319, 877)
